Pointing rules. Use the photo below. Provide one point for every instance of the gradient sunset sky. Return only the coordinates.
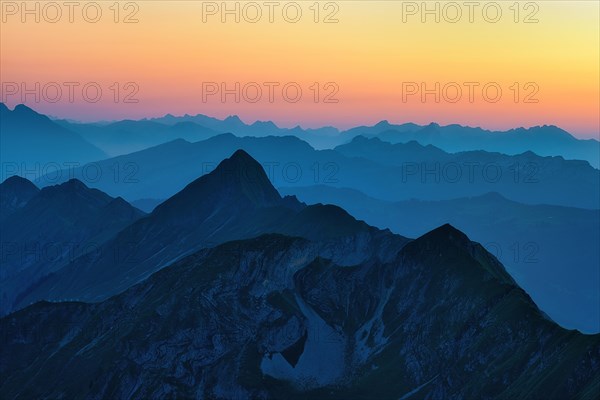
(373, 51)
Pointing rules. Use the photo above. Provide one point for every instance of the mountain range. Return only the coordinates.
(235, 201)
(268, 318)
(389, 175)
(67, 141)
(52, 228)
(32, 143)
(279, 268)
(376, 168)
(551, 251)
(233, 291)
(546, 140)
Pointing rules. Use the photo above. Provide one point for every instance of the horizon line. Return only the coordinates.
(338, 129)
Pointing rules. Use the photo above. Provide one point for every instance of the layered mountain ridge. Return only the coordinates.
(235, 201)
(53, 227)
(30, 141)
(268, 318)
(229, 290)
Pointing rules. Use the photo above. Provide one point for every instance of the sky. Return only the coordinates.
(498, 65)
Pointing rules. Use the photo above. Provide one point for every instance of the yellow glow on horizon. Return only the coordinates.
(369, 53)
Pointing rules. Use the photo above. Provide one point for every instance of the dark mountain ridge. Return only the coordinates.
(58, 224)
(269, 318)
(15, 192)
(550, 250)
(234, 201)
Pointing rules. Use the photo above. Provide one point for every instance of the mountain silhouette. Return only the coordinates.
(427, 172)
(534, 242)
(31, 140)
(238, 181)
(57, 225)
(547, 140)
(15, 192)
(126, 136)
(234, 201)
(268, 318)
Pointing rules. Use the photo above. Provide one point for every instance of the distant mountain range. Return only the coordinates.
(547, 140)
(128, 136)
(122, 137)
(32, 143)
(551, 251)
(376, 168)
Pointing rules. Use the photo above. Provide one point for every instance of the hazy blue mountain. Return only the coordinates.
(393, 154)
(551, 251)
(30, 141)
(524, 177)
(127, 136)
(378, 129)
(268, 318)
(161, 171)
(56, 226)
(320, 138)
(235, 201)
(393, 172)
(547, 140)
(15, 192)
(542, 140)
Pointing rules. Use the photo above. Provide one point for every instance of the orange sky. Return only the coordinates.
(373, 58)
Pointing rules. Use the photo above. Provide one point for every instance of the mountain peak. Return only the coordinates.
(15, 192)
(23, 109)
(16, 181)
(446, 234)
(456, 248)
(245, 173)
(241, 156)
(264, 124)
(238, 181)
(74, 188)
(74, 184)
(448, 229)
(234, 119)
